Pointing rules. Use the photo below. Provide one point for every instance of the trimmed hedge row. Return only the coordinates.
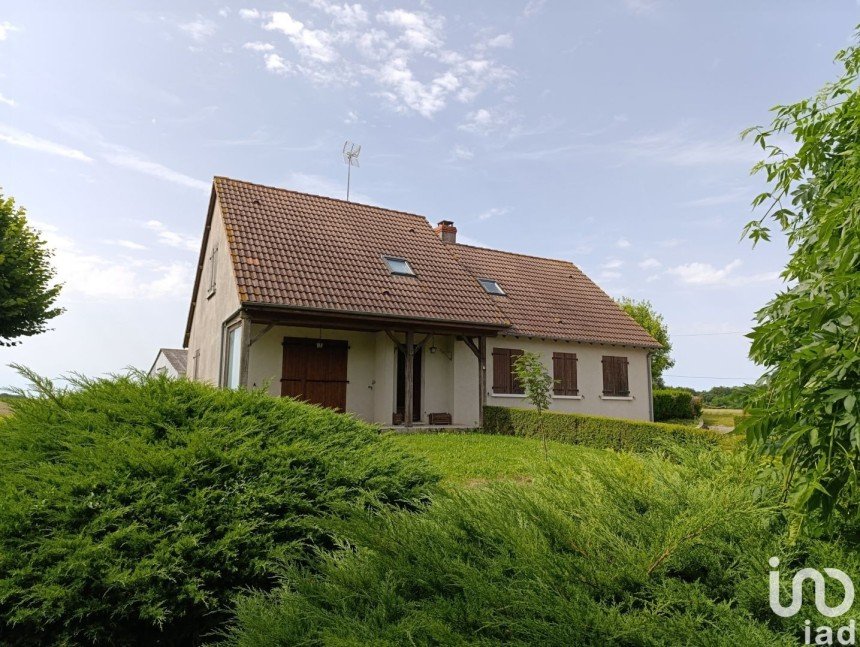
(594, 431)
(673, 404)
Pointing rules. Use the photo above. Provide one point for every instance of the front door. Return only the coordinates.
(416, 385)
(314, 370)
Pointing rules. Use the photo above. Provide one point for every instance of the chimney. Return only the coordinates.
(447, 231)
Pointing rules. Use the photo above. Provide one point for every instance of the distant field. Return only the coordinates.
(721, 417)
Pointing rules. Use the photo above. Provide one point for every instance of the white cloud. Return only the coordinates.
(533, 7)
(402, 52)
(125, 158)
(275, 63)
(16, 137)
(311, 43)
(98, 277)
(257, 46)
(493, 212)
(680, 148)
(610, 275)
(199, 29)
(729, 197)
(704, 273)
(650, 264)
(622, 243)
(641, 6)
(249, 14)
(462, 153)
(127, 244)
(612, 264)
(486, 120)
(5, 29)
(671, 242)
(172, 238)
(502, 40)
(7, 101)
(322, 185)
(418, 31)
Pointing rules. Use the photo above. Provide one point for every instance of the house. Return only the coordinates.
(170, 361)
(375, 312)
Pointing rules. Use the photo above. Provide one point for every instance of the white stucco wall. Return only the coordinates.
(589, 378)
(211, 311)
(161, 365)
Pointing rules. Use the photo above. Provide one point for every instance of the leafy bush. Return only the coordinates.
(673, 404)
(594, 431)
(696, 405)
(132, 509)
(612, 550)
(730, 397)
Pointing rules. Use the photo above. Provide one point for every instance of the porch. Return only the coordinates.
(400, 375)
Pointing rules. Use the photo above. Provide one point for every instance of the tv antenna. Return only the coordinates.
(350, 157)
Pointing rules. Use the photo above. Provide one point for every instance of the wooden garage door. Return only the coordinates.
(314, 370)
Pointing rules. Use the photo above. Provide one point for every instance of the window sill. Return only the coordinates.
(567, 397)
(508, 395)
(616, 397)
(210, 294)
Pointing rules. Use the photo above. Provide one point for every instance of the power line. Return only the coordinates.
(706, 334)
(711, 377)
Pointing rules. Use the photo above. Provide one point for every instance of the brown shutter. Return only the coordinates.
(615, 376)
(564, 374)
(501, 370)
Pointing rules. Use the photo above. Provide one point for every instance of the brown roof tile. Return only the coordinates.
(552, 298)
(301, 250)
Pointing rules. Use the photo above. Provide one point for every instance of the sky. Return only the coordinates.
(601, 132)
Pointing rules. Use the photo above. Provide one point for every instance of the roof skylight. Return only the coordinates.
(399, 265)
(492, 286)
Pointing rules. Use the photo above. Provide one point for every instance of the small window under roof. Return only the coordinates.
(492, 286)
(399, 265)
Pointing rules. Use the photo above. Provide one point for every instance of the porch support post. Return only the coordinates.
(482, 378)
(408, 384)
(245, 355)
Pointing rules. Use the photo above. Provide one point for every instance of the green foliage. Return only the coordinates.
(133, 509)
(808, 336)
(607, 549)
(673, 404)
(643, 313)
(594, 431)
(730, 397)
(697, 405)
(26, 296)
(537, 384)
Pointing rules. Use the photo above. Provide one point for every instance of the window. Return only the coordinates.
(233, 356)
(504, 380)
(615, 376)
(564, 374)
(213, 262)
(399, 265)
(492, 286)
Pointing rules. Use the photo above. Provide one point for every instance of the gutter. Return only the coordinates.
(650, 391)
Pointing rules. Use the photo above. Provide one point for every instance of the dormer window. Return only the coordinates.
(399, 266)
(492, 286)
(213, 271)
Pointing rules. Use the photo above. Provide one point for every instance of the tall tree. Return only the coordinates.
(645, 315)
(808, 336)
(26, 295)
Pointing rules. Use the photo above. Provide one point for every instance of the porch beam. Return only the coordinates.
(400, 345)
(471, 344)
(245, 355)
(408, 386)
(256, 337)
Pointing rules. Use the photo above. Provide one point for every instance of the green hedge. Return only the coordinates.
(672, 404)
(593, 431)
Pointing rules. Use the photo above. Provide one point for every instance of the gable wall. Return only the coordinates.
(211, 312)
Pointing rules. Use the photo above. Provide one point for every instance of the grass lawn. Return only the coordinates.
(720, 417)
(474, 459)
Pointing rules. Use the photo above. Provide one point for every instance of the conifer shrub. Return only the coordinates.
(132, 509)
(674, 404)
(613, 549)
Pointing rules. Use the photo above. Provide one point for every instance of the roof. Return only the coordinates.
(307, 251)
(303, 251)
(177, 357)
(552, 298)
